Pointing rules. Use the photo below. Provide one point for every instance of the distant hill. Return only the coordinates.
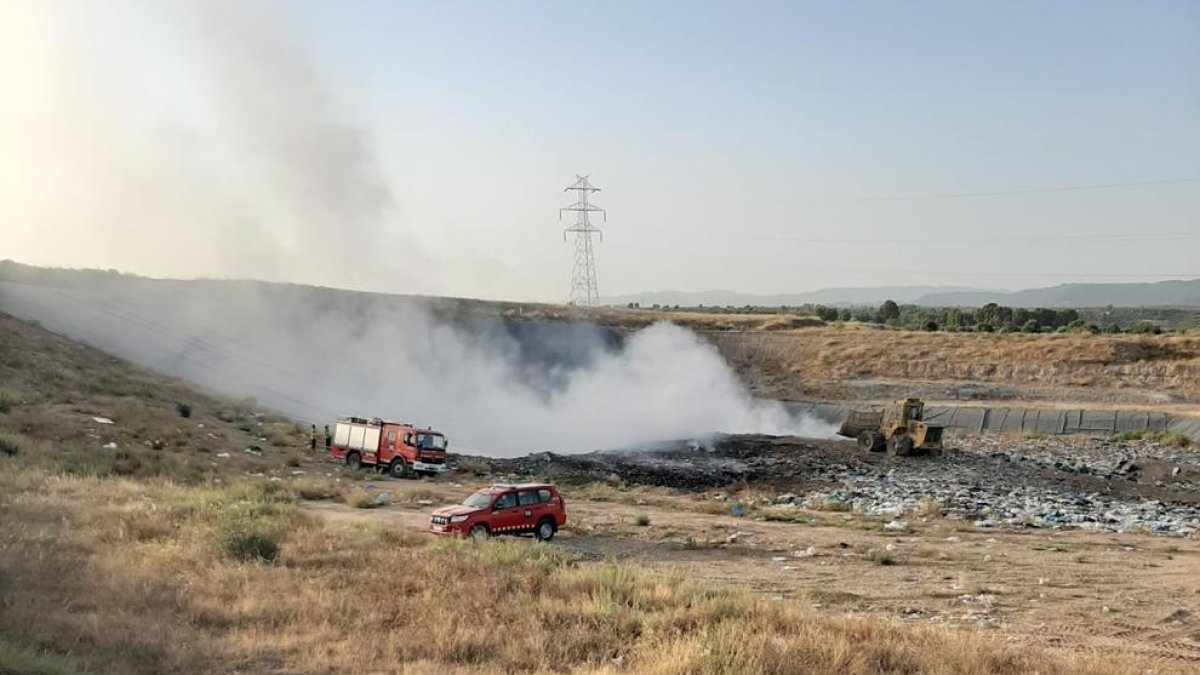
(1157, 294)
(825, 296)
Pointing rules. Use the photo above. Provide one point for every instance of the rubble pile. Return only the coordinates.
(1057, 482)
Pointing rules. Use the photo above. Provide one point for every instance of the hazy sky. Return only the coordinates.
(423, 147)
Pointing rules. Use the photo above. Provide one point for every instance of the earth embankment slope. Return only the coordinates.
(849, 363)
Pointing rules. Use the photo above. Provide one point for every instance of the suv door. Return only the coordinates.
(532, 508)
(506, 516)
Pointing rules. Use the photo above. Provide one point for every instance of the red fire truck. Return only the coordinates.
(398, 447)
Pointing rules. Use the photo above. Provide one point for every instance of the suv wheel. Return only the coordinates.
(354, 461)
(545, 529)
(398, 469)
(479, 532)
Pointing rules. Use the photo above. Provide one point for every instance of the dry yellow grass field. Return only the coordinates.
(777, 362)
(132, 576)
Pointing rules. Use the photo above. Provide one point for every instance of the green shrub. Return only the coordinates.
(1173, 439)
(642, 520)
(244, 537)
(292, 462)
(1130, 436)
(10, 444)
(7, 401)
(184, 410)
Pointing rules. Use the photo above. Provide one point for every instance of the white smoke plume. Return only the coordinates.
(494, 386)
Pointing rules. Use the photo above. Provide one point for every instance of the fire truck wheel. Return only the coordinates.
(545, 529)
(398, 469)
(354, 460)
(479, 532)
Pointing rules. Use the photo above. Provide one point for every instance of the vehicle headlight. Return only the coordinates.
(457, 519)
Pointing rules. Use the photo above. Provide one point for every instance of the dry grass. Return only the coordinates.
(775, 361)
(657, 497)
(165, 601)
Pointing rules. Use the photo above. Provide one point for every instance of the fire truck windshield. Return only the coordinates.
(431, 441)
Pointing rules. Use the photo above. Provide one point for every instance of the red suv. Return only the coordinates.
(504, 509)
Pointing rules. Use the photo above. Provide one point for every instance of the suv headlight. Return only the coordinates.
(457, 519)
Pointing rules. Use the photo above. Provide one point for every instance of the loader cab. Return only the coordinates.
(912, 410)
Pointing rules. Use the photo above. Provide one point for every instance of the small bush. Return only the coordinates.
(930, 507)
(10, 444)
(359, 498)
(7, 401)
(313, 489)
(245, 538)
(642, 520)
(1173, 439)
(881, 556)
(1131, 435)
(292, 462)
(184, 410)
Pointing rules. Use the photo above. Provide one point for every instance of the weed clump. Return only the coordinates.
(881, 556)
(184, 410)
(7, 401)
(358, 498)
(642, 520)
(313, 489)
(243, 537)
(10, 444)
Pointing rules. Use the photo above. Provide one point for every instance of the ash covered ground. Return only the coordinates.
(1056, 482)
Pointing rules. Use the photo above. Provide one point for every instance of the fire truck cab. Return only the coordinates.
(397, 447)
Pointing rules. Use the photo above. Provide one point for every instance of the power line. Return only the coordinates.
(1019, 191)
(976, 273)
(1065, 238)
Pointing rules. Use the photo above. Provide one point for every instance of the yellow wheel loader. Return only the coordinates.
(899, 428)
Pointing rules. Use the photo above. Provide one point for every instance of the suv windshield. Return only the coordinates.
(478, 500)
(431, 441)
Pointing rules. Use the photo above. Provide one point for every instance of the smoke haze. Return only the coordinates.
(259, 174)
(268, 180)
(494, 386)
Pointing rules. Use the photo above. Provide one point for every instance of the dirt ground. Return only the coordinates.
(1075, 591)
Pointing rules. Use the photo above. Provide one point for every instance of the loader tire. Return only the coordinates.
(354, 461)
(899, 446)
(871, 440)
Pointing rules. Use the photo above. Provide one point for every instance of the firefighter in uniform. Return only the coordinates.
(312, 439)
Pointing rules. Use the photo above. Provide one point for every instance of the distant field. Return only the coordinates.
(818, 361)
